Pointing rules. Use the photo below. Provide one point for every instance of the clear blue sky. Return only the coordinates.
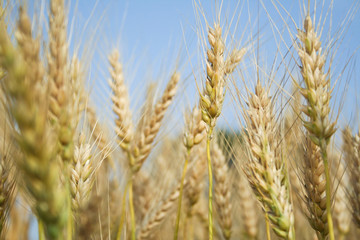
(150, 35)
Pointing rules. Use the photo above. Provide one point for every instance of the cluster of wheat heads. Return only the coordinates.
(279, 176)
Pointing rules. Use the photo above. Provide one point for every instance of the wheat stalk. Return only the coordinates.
(317, 94)
(211, 101)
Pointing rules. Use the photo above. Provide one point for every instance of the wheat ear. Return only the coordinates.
(317, 93)
(158, 217)
(82, 175)
(59, 80)
(121, 102)
(78, 97)
(222, 194)
(266, 170)
(351, 149)
(40, 170)
(124, 125)
(211, 101)
(143, 147)
(314, 185)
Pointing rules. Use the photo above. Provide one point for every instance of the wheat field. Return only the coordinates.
(247, 128)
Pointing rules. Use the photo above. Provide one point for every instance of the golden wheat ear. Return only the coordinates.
(59, 69)
(317, 94)
(157, 217)
(151, 128)
(351, 149)
(266, 171)
(211, 100)
(314, 183)
(121, 102)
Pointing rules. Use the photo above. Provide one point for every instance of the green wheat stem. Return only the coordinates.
(122, 217)
(70, 223)
(181, 193)
(267, 221)
(210, 183)
(323, 146)
(41, 230)
(132, 212)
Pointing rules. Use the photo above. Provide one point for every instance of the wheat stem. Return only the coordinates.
(70, 222)
(328, 189)
(41, 230)
(181, 193)
(131, 206)
(123, 208)
(210, 216)
(268, 236)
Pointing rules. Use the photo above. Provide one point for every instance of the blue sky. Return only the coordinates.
(153, 36)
